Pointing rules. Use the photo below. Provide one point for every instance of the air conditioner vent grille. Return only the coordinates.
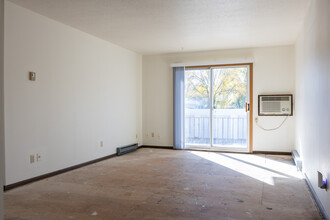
(271, 107)
(275, 98)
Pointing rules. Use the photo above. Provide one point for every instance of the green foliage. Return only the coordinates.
(229, 87)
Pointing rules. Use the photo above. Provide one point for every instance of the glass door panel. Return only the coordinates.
(197, 108)
(229, 115)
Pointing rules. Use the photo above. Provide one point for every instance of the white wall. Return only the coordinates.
(2, 141)
(273, 73)
(313, 100)
(87, 90)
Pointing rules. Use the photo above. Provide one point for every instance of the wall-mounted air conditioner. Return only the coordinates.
(275, 105)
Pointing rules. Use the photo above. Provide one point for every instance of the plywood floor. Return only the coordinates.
(169, 184)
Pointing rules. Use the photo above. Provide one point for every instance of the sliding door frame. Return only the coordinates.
(250, 65)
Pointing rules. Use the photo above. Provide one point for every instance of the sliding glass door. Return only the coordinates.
(197, 108)
(229, 103)
(216, 108)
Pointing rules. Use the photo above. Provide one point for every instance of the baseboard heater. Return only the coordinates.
(126, 149)
(297, 159)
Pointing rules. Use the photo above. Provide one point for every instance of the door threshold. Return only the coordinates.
(216, 150)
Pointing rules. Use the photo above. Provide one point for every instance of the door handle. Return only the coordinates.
(247, 107)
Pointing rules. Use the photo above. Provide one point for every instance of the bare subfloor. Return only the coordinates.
(169, 184)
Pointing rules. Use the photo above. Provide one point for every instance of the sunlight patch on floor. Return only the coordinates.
(264, 170)
(280, 167)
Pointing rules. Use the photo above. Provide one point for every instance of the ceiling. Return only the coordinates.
(171, 26)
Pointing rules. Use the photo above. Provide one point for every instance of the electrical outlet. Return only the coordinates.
(137, 136)
(152, 134)
(147, 135)
(256, 119)
(158, 136)
(32, 158)
(38, 157)
(101, 143)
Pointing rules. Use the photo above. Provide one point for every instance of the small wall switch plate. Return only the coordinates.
(147, 135)
(101, 143)
(136, 136)
(32, 158)
(152, 134)
(32, 76)
(158, 136)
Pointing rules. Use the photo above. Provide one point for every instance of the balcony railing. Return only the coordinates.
(229, 127)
